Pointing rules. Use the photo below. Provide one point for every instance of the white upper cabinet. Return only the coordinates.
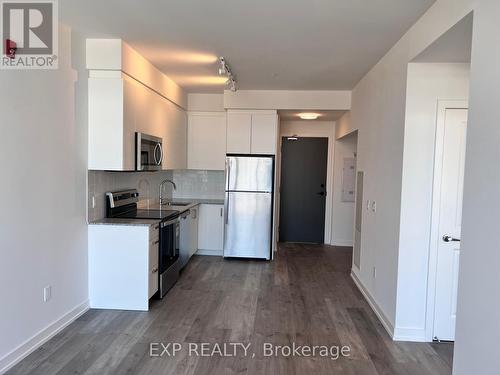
(252, 132)
(207, 140)
(264, 133)
(112, 116)
(174, 136)
(118, 108)
(127, 94)
(239, 132)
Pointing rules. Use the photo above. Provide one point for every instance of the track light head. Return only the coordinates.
(225, 70)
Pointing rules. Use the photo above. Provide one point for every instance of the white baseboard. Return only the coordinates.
(216, 253)
(342, 243)
(386, 323)
(33, 343)
(410, 334)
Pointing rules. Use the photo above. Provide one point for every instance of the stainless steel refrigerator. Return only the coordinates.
(249, 206)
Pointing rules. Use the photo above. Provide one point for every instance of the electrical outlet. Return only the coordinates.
(374, 206)
(368, 204)
(47, 293)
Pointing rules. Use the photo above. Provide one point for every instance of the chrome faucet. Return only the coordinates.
(162, 184)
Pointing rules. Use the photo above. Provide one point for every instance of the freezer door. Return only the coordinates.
(246, 173)
(248, 225)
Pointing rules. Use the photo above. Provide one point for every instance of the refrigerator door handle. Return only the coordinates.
(226, 209)
(228, 173)
(226, 201)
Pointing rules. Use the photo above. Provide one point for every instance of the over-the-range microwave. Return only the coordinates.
(149, 152)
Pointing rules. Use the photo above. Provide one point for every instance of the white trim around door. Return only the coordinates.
(442, 106)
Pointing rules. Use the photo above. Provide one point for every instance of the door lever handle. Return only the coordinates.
(448, 238)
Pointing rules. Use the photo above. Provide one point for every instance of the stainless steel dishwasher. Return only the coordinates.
(185, 233)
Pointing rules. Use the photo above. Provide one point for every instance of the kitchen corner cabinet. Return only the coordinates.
(211, 229)
(206, 140)
(123, 266)
(120, 106)
(252, 132)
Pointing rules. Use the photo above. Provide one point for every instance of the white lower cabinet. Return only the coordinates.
(123, 266)
(211, 229)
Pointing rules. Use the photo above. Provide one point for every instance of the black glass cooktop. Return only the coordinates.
(148, 214)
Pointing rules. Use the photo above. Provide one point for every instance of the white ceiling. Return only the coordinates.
(289, 115)
(269, 44)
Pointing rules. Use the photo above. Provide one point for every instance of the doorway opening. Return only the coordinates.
(305, 170)
(431, 197)
(447, 214)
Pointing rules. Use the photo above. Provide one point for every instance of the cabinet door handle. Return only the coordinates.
(221, 212)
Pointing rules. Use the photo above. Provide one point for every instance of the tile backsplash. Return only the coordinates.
(100, 182)
(190, 184)
(199, 184)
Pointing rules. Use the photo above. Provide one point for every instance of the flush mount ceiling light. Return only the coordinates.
(224, 69)
(309, 116)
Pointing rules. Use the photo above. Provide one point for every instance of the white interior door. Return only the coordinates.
(450, 218)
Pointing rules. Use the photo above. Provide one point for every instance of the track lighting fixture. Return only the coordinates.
(225, 70)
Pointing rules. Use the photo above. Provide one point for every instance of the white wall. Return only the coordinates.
(116, 55)
(478, 326)
(313, 128)
(342, 212)
(378, 112)
(206, 102)
(427, 83)
(43, 231)
(344, 126)
(283, 99)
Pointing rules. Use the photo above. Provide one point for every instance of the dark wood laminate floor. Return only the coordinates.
(305, 296)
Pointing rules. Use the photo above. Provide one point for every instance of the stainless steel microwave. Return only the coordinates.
(149, 152)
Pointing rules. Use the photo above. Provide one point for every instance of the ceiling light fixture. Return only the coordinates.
(309, 116)
(224, 69)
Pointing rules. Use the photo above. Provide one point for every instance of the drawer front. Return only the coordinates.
(153, 267)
